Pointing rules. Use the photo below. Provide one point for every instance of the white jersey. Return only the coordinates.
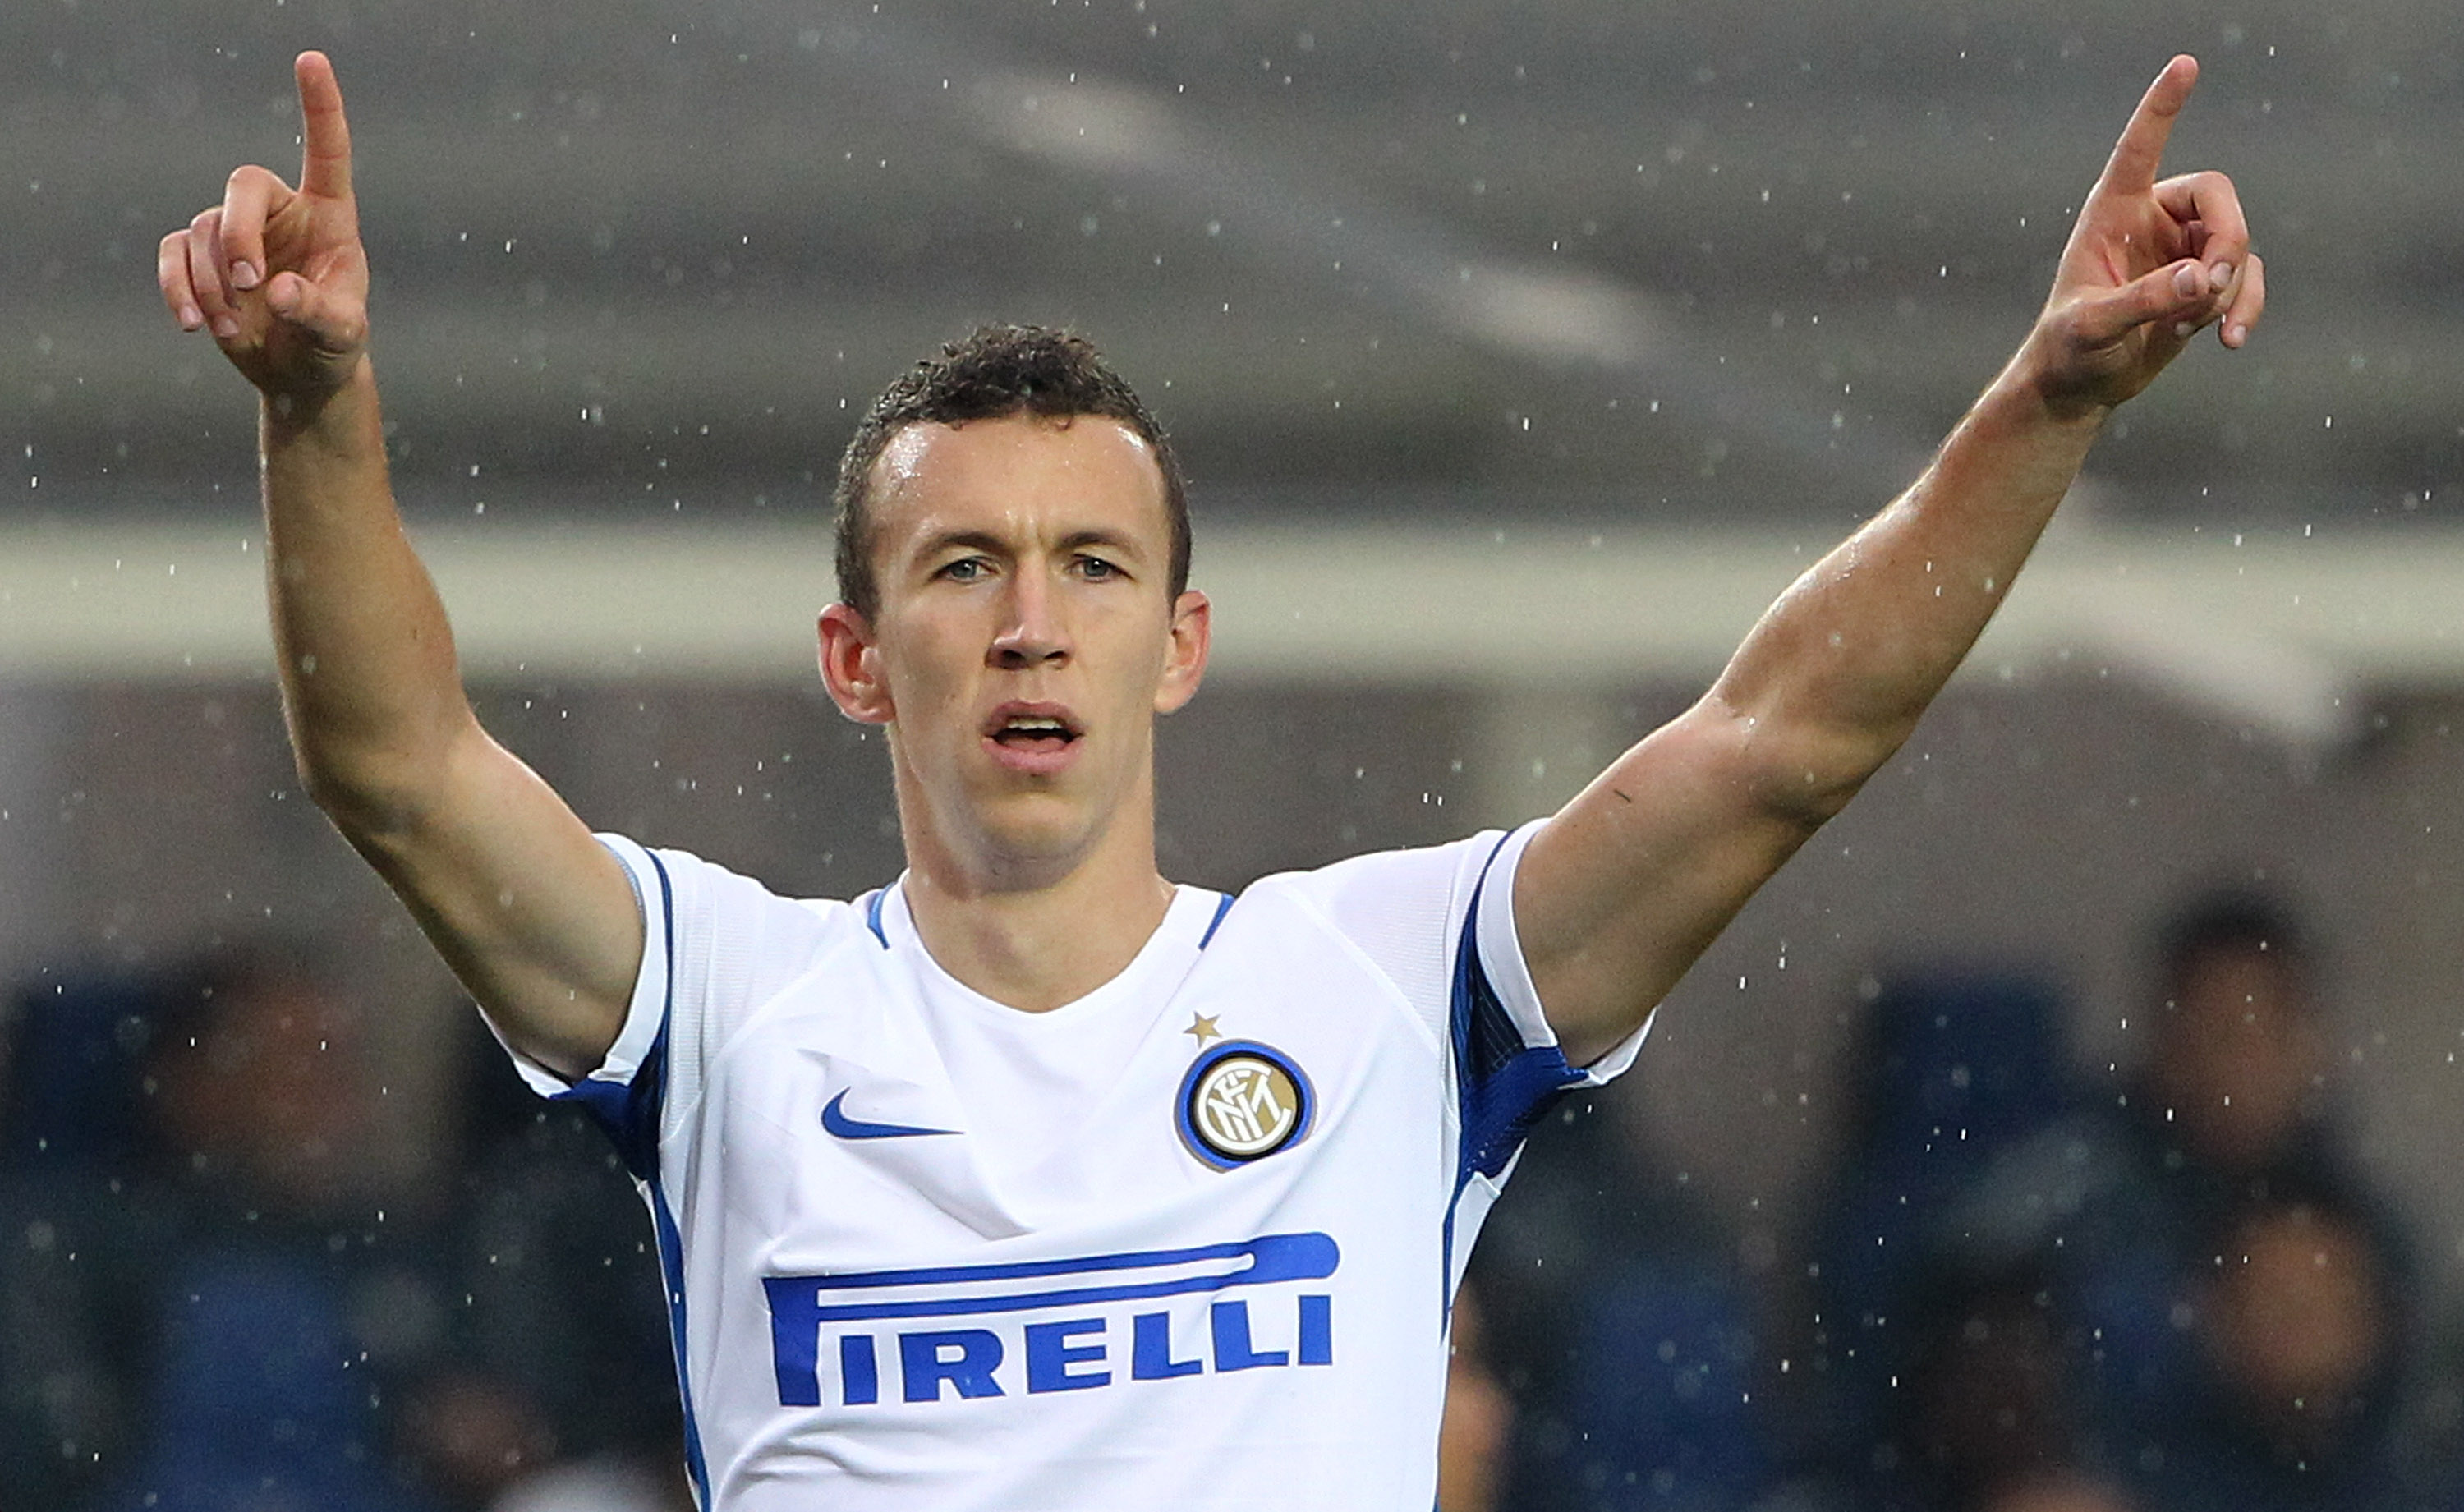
(1188, 1241)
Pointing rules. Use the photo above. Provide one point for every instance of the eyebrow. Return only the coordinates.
(970, 539)
(985, 541)
(1078, 540)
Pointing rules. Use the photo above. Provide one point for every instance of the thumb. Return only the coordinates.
(2176, 292)
(327, 321)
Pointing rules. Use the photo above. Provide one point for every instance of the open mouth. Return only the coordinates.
(1034, 733)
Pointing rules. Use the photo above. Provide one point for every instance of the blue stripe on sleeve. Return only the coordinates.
(1504, 1086)
(671, 1279)
(628, 1112)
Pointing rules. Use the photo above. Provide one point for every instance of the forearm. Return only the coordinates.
(1839, 670)
(369, 681)
(1623, 888)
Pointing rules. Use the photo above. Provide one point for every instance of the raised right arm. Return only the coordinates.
(534, 915)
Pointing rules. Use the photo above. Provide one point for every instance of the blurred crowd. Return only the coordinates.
(2168, 1289)
(209, 1310)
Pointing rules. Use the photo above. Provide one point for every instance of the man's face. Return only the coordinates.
(268, 1088)
(2297, 1317)
(1025, 637)
(2241, 1056)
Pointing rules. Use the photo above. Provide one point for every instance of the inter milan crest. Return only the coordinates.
(1243, 1101)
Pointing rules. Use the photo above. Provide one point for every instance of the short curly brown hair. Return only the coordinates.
(995, 372)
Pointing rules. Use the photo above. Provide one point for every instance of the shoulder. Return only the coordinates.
(1447, 872)
(681, 892)
(1403, 911)
(1402, 903)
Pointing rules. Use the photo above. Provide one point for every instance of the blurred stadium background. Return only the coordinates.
(1520, 353)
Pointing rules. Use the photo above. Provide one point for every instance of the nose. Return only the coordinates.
(1032, 634)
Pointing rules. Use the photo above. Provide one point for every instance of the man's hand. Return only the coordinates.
(278, 274)
(537, 917)
(2149, 264)
(1629, 883)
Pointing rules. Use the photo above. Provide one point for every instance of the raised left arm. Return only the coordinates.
(1630, 881)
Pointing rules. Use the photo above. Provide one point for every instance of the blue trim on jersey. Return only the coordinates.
(872, 916)
(630, 1114)
(1504, 1086)
(672, 1272)
(1212, 925)
(628, 1111)
(1288, 1257)
(1272, 1258)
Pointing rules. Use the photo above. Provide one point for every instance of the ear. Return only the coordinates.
(1184, 660)
(851, 667)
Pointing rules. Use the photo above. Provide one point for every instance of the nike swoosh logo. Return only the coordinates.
(845, 1128)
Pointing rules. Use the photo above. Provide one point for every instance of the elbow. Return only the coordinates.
(1808, 795)
(1803, 773)
(376, 793)
(366, 801)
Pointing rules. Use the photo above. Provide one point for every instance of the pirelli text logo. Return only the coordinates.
(970, 1331)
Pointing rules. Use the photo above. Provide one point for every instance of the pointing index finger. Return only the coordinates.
(2132, 167)
(325, 158)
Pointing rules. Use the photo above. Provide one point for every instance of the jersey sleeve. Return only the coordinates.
(1440, 924)
(714, 947)
(1508, 1067)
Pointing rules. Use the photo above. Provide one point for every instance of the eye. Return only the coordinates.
(1096, 568)
(966, 569)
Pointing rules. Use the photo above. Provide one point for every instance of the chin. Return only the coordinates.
(1032, 838)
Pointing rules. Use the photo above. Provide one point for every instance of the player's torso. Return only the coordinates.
(1188, 1245)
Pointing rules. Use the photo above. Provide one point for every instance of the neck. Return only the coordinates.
(1037, 936)
(1039, 948)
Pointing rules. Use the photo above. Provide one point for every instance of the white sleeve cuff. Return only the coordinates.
(647, 1010)
(1509, 977)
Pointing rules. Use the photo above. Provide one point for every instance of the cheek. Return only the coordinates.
(925, 675)
(933, 714)
(1141, 651)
